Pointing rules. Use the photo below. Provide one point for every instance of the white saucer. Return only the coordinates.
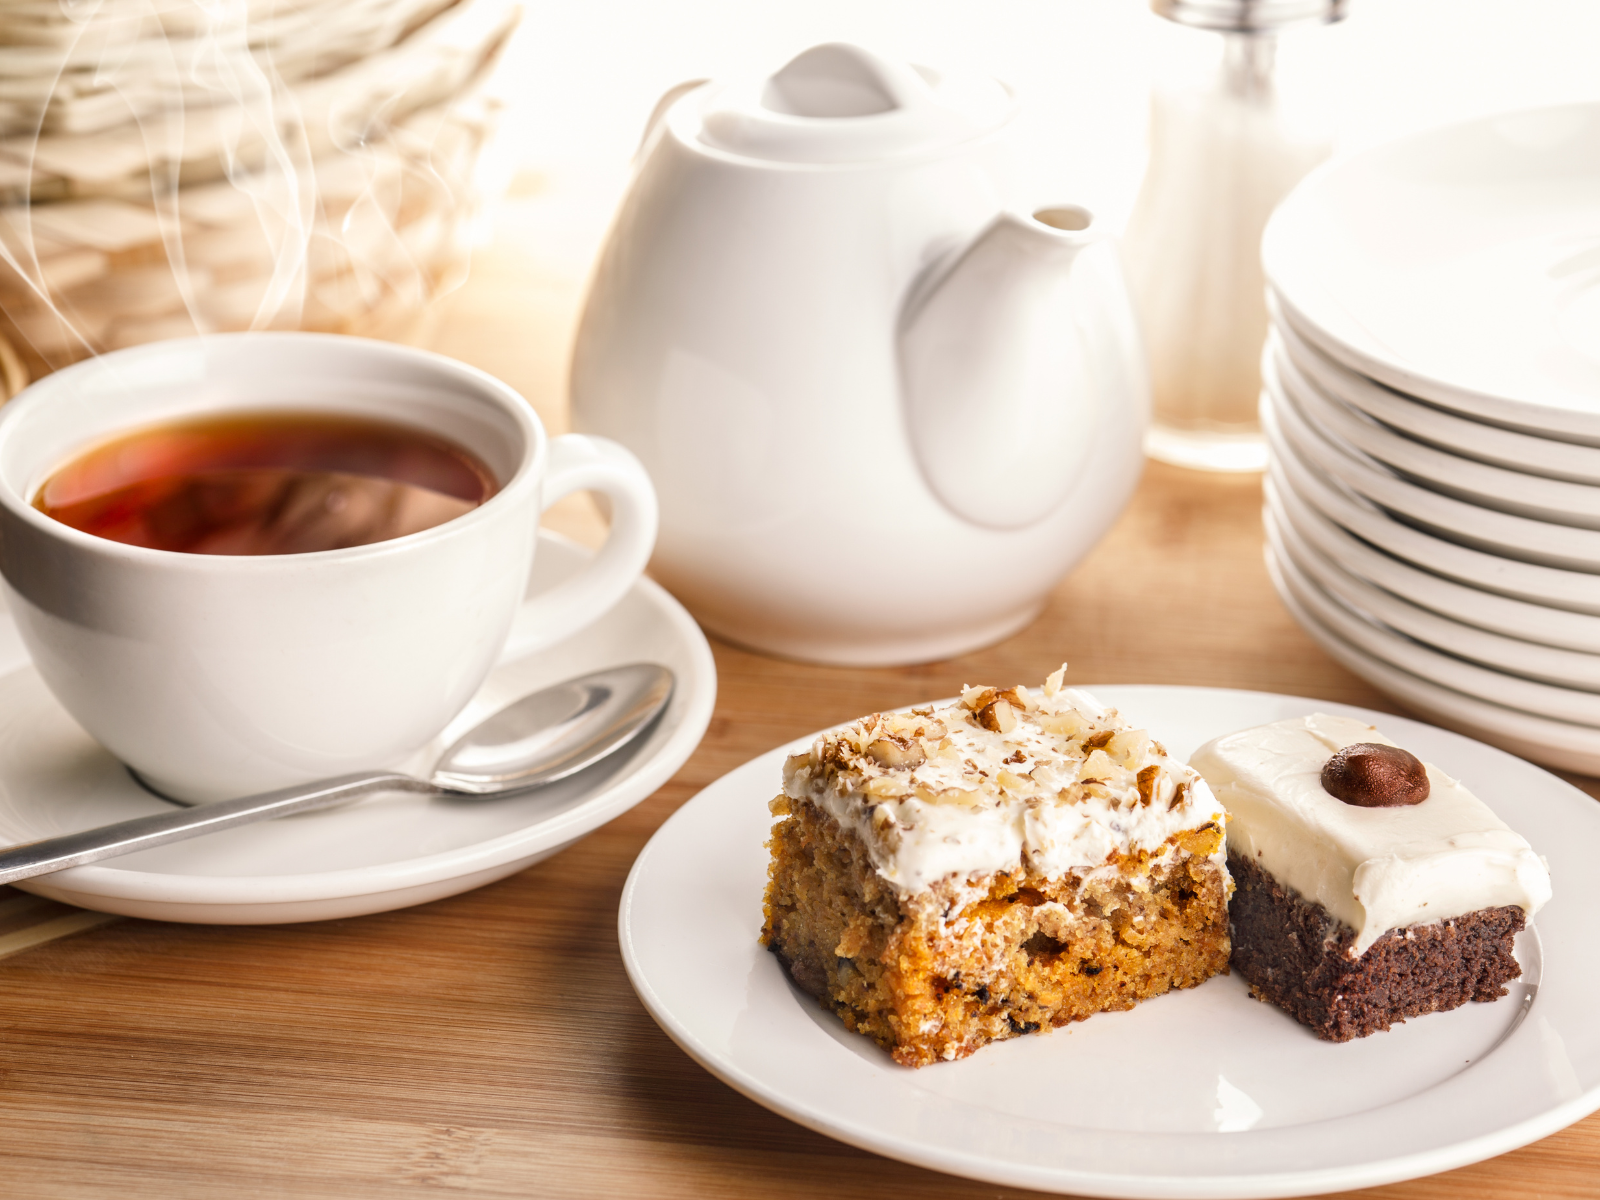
(1487, 610)
(1474, 439)
(1499, 533)
(1559, 501)
(1203, 1093)
(1554, 743)
(1458, 265)
(1572, 590)
(383, 853)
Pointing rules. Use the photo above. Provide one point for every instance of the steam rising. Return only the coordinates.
(170, 167)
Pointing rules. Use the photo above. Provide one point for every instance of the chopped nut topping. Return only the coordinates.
(1047, 773)
(998, 716)
(1147, 780)
(967, 799)
(885, 785)
(1068, 724)
(1100, 765)
(1129, 747)
(976, 698)
(898, 751)
(1017, 785)
(1052, 681)
(995, 747)
(1018, 697)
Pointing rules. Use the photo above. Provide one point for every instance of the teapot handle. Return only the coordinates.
(668, 98)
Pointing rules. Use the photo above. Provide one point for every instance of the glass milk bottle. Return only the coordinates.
(1226, 144)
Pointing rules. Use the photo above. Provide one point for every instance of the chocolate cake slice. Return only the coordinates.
(1369, 886)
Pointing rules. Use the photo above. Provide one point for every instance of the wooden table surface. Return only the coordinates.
(490, 1043)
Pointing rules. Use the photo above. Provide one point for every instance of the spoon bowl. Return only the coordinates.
(555, 732)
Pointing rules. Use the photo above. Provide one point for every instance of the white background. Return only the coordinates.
(585, 73)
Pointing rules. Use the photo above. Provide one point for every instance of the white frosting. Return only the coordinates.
(982, 800)
(1376, 869)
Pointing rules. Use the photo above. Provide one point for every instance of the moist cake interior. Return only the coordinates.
(1016, 861)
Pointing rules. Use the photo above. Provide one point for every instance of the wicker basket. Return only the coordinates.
(170, 167)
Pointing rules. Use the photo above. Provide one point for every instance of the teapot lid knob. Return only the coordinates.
(841, 103)
(837, 79)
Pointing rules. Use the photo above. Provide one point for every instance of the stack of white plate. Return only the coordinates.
(1432, 405)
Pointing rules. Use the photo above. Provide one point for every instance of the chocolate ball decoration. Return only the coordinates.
(1372, 776)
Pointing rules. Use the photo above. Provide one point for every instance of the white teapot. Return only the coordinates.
(884, 412)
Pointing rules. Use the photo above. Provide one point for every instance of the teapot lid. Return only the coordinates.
(839, 103)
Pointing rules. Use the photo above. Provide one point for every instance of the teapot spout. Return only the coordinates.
(1006, 359)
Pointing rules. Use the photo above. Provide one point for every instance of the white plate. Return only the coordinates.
(1485, 610)
(1555, 500)
(1474, 439)
(1201, 1093)
(378, 854)
(1461, 265)
(1546, 664)
(1554, 743)
(1530, 696)
(1499, 533)
(1568, 706)
(1576, 591)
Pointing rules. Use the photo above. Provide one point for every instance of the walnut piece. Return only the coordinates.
(998, 715)
(897, 753)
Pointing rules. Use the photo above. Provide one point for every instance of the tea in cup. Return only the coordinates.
(249, 561)
(266, 483)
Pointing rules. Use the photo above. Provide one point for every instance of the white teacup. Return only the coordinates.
(215, 676)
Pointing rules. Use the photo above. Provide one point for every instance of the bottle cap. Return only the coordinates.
(1251, 16)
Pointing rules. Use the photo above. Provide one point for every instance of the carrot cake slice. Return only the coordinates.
(1372, 887)
(948, 877)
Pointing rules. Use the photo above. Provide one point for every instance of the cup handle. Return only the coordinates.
(581, 463)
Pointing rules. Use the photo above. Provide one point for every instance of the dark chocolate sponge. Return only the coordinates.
(1295, 954)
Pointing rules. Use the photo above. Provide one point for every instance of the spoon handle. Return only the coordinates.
(142, 833)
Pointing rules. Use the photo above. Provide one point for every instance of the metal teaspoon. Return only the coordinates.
(539, 739)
